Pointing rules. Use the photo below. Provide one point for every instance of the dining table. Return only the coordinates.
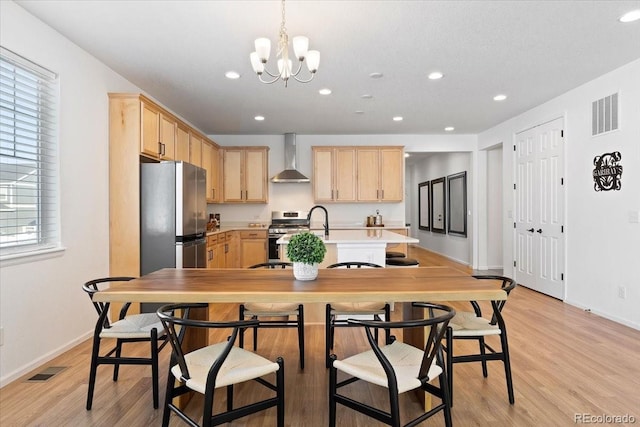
(233, 285)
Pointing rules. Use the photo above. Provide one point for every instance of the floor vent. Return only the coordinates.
(604, 115)
(47, 374)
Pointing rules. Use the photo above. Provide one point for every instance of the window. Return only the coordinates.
(28, 156)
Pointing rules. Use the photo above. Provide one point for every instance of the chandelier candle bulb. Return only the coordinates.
(263, 49)
(300, 47)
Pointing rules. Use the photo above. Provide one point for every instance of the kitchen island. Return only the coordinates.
(367, 245)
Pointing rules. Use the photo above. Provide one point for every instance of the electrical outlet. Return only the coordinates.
(622, 292)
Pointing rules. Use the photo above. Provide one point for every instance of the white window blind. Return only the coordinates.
(28, 156)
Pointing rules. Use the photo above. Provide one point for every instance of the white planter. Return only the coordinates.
(303, 271)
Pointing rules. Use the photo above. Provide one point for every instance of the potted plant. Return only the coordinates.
(305, 250)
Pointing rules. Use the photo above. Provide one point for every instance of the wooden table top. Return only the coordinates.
(335, 285)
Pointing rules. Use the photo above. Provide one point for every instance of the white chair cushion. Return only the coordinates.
(134, 326)
(404, 358)
(467, 324)
(357, 307)
(270, 309)
(240, 365)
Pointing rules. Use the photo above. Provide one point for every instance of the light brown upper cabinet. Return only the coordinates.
(245, 177)
(358, 174)
(182, 143)
(159, 129)
(334, 174)
(211, 163)
(195, 149)
(380, 174)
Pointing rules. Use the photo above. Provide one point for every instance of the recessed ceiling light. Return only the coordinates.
(436, 75)
(366, 96)
(376, 75)
(359, 112)
(500, 97)
(449, 129)
(324, 91)
(232, 75)
(259, 118)
(397, 119)
(407, 155)
(632, 16)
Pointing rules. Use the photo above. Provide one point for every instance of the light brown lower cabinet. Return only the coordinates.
(253, 247)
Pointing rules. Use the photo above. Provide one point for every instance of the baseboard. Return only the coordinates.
(605, 315)
(465, 263)
(42, 360)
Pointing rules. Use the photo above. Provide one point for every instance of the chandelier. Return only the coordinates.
(301, 51)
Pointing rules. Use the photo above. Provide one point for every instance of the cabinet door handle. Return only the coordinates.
(226, 248)
(337, 194)
(377, 194)
(332, 194)
(382, 194)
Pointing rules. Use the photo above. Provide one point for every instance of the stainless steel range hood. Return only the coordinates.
(290, 173)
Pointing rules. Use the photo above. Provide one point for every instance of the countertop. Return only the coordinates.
(370, 235)
(314, 227)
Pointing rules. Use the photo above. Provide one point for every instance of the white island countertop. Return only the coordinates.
(371, 235)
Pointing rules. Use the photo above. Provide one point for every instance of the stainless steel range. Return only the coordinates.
(285, 222)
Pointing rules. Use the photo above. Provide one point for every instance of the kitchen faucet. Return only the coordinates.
(326, 218)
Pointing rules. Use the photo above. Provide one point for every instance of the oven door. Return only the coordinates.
(274, 249)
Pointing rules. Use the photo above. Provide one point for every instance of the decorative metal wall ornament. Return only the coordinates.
(607, 173)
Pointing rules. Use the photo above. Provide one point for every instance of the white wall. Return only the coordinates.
(43, 309)
(602, 244)
(435, 166)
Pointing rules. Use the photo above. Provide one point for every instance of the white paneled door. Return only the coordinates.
(539, 210)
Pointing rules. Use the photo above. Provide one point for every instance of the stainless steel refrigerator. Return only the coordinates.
(172, 216)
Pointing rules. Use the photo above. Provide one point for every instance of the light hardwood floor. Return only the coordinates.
(565, 361)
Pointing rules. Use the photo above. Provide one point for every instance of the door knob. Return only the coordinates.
(530, 230)
(539, 231)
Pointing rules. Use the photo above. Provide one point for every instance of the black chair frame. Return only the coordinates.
(157, 340)
(331, 322)
(275, 323)
(433, 349)
(483, 356)
(177, 357)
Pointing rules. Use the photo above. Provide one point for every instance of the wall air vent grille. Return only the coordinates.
(604, 115)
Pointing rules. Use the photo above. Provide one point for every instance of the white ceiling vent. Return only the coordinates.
(604, 115)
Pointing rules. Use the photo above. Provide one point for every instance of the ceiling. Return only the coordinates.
(179, 51)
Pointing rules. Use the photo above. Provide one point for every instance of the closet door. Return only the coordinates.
(539, 200)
